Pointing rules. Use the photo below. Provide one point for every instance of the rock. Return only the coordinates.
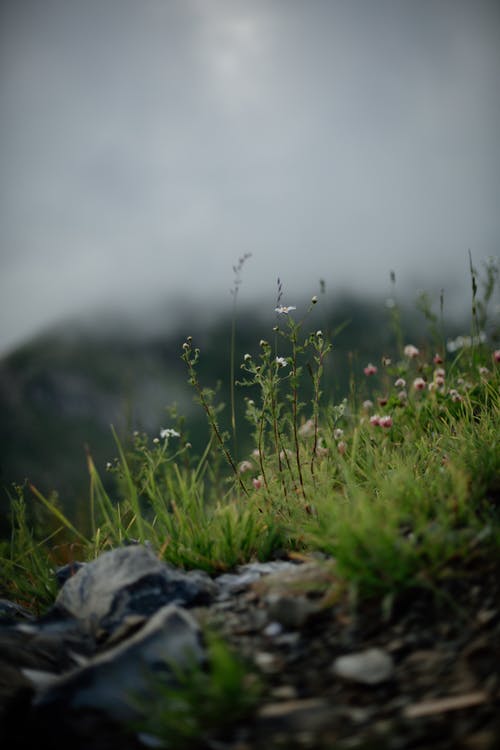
(245, 575)
(291, 612)
(118, 682)
(369, 667)
(12, 611)
(310, 714)
(128, 581)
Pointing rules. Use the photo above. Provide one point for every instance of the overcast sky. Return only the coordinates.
(146, 144)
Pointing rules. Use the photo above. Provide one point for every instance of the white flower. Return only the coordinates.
(284, 309)
(411, 351)
(307, 429)
(168, 433)
(281, 361)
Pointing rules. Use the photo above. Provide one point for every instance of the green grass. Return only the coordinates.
(399, 482)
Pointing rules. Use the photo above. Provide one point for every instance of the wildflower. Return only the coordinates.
(402, 395)
(263, 343)
(258, 482)
(400, 383)
(281, 361)
(439, 380)
(109, 466)
(382, 400)
(342, 447)
(168, 433)
(338, 433)
(307, 429)
(156, 440)
(438, 360)
(496, 355)
(321, 451)
(455, 395)
(484, 371)
(386, 361)
(385, 421)
(284, 309)
(370, 369)
(411, 351)
(245, 466)
(319, 334)
(375, 420)
(247, 357)
(419, 384)
(367, 405)
(439, 373)
(314, 299)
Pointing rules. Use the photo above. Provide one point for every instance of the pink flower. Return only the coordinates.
(375, 420)
(411, 351)
(385, 421)
(419, 384)
(400, 383)
(370, 369)
(258, 482)
(438, 360)
(496, 355)
(342, 447)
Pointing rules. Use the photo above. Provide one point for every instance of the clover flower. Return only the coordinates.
(370, 369)
(258, 482)
(338, 433)
(400, 383)
(342, 447)
(245, 466)
(375, 420)
(385, 421)
(419, 384)
(284, 309)
(496, 355)
(411, 351)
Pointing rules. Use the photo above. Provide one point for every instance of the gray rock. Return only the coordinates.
(290, 611)
(366, 667)
(120, 681)
(128, 581)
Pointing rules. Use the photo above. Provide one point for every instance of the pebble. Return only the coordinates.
(369, 667)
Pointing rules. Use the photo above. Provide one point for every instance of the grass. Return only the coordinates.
(399, 482)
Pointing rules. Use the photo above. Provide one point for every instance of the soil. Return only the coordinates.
(443, 692)
(426, 677)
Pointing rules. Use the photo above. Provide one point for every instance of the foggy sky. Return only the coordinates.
(145, 145)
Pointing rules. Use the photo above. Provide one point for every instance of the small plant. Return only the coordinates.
(204, 702)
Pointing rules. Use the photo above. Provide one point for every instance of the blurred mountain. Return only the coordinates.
(61, 392)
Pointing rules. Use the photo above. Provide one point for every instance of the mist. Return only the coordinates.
(146, 146)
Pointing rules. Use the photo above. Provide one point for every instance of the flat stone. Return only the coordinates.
(310, 714)
(368, 667)
(118, 682)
